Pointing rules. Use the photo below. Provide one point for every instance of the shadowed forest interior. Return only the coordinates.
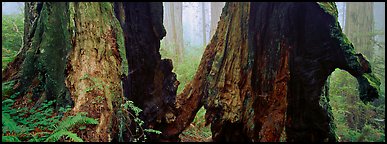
(193, 71)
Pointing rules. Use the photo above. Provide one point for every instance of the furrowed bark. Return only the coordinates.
(94, 69)
(42, 71)
(74, 58)
(266, 69)
(264, 72)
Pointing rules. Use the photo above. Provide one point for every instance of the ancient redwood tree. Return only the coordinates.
(264, 74)
(263, 71)
(75, 53)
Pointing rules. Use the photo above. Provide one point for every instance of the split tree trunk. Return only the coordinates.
(266, 63)
(265, 69)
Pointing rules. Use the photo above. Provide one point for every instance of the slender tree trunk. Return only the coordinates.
(178, 36)
(167, 25)
(203, 6)
(359, 26)
(173, 40)
(266, 69)
(172, 28)
(216, 10)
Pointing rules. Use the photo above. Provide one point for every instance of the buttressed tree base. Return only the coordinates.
(264, 74)
(263, 77)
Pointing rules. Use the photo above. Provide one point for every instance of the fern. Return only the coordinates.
(10, 139)
(40, 118)
(152, 131)
(72, 121)
(57, 135)
(139, 134)
(9, 124)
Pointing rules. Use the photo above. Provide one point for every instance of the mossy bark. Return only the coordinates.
(31, 15)
(74, 58)
(265, 72)
(42, 72)
(94, 68)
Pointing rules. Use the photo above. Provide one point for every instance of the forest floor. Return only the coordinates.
(197, 131)
(185, 71)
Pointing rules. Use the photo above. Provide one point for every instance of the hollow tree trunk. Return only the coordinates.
(150, 83)
(266, 69)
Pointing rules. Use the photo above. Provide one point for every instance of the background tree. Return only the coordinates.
(216, 10)
(203, 10)
(359, 26)
(173, 22)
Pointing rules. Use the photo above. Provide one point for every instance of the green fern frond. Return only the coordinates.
(7, 101)
(57, 135)
(72, 121)
(152, 131)
(9, 139)
(9, 124)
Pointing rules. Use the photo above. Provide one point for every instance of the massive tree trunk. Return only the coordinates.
(44, 56)
(266, 68)
(72, 56)
(150, 83)
(94, 68)
(76, 56)
(31, 11)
